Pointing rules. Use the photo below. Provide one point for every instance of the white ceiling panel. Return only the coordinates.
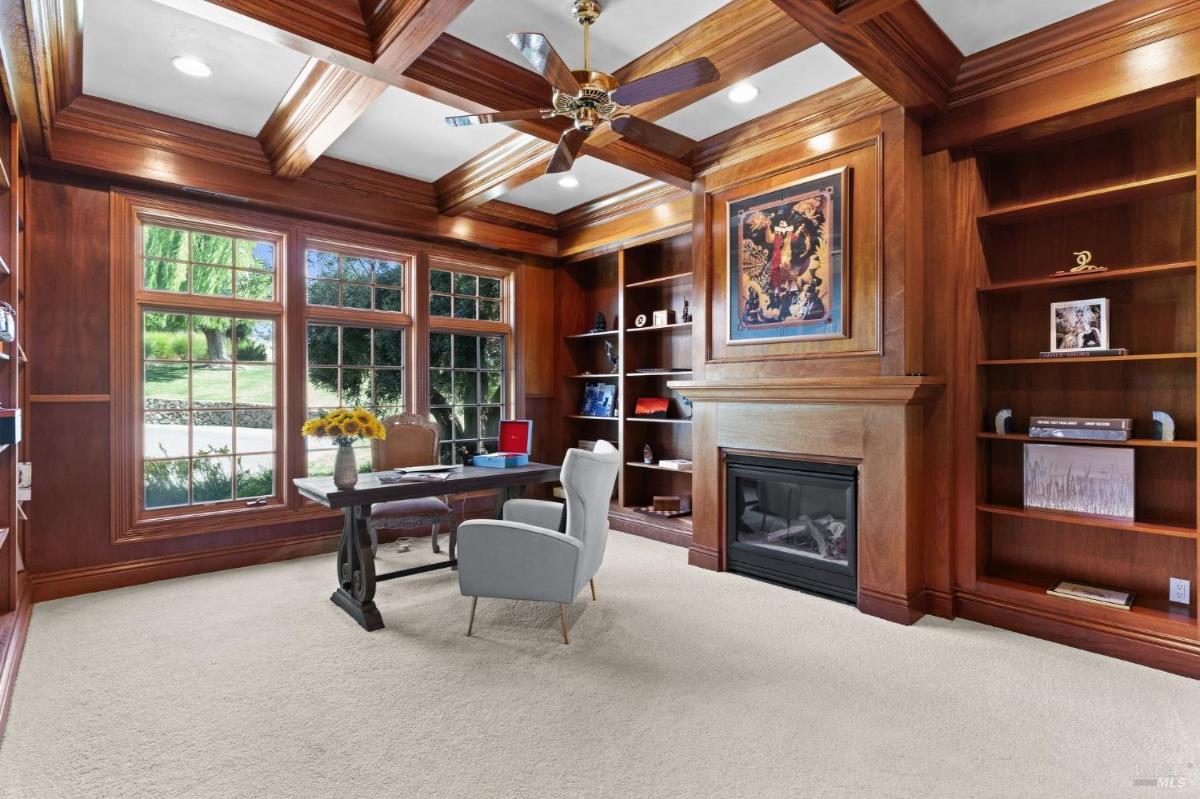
(976, 25)
(128, 46)
(405, 133)
(803, 75)
(596, 179)
(626, 28)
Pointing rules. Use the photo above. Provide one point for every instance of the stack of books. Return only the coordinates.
(1108, 597)
(1078, 427)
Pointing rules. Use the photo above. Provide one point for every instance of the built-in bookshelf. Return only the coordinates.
(623, 285)
(1127, 193)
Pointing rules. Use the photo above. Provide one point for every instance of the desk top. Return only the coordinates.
(470, 478)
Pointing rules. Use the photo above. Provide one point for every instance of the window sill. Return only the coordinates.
(223, 521)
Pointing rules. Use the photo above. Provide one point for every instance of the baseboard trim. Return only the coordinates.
(10, 661)
(72, 582)
(939, 603)
(892, 607)
(1167, 653)
(704, 557)
(648, 529)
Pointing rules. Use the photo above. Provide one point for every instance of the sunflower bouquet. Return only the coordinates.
(345, 426)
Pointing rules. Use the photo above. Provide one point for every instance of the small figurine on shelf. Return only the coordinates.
(647, 455)
(1004, 422)
(1164, 426)
(600, 325)
(687, 312)
(465, 456)
(614, 357)
(1083, 263)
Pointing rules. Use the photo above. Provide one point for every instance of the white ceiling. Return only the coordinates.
(626, 28)
(976, 25)
(407, 134)
(803, 75)
(596, 179)
(127, 50)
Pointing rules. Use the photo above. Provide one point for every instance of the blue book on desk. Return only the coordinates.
(516, 439)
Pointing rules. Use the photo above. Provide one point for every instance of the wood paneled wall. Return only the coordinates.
(71, 544)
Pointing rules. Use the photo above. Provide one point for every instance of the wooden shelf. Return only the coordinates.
(1168, 356)
(600, 334)
(1132, 442)
(1130, 273)
(658, 421)
(1116, 194)
(592, 377)
(594, 418)
(647, 328)
(1146, 614)
(657, 468)
(1081, 520)
(659, 373)
(658, 281)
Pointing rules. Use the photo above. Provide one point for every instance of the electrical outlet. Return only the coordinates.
(1181, 591)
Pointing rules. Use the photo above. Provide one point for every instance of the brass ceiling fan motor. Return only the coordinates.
(591, 99)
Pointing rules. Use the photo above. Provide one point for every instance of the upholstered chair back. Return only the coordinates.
(412, 440)
(588, 479)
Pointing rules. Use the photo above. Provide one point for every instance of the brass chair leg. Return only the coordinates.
(562, 614)
(471, 623)
(592, 583)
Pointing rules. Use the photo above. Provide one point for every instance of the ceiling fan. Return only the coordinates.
(592, 99)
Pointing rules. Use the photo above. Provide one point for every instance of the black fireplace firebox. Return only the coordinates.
(794, 522)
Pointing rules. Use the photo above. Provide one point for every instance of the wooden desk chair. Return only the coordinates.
(412, 440)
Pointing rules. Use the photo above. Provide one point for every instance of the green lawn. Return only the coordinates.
(211, 383)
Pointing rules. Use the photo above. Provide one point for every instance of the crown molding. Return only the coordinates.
(611, 207)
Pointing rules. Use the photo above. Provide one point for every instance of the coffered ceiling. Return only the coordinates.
(267, 57)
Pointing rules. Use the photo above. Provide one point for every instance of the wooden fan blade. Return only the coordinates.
(568, 147)
(499, 116)
(538, 52)
(668, 81)
(655, 136)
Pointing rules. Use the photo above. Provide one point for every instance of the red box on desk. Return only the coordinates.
(516, 439)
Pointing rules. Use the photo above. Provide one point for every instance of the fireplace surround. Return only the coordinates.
(793, 522)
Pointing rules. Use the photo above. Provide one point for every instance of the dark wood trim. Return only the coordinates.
(71, 582)
(856, 12)
(12, 644)
(517, 216)
(899, 609)
(634, 523)
(902, 51)
(57, 45)
(493, 173)
(401, 29)
(612, 207)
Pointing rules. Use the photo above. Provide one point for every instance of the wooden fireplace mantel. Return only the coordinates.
(834, 390)
(875, 422)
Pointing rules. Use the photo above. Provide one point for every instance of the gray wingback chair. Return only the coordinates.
(525, 556)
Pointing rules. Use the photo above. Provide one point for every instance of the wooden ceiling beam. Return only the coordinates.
(48, 66)
(741, 38)
(326, 99)
(901, 50)
(20, 83)
(856, 12)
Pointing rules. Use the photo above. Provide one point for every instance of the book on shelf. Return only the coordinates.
(1096, 353)
(1081, 428)
(1108, 597)
(678, 464)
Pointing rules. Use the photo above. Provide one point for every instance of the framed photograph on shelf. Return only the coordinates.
(787, 265)
(1095, 481)
(1079, 325)
(651, 407)
(599, 399)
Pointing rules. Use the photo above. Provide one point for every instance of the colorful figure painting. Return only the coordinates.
(787, 270)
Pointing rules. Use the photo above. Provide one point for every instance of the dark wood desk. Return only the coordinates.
(355, 563)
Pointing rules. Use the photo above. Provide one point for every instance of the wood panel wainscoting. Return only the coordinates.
(875, 423)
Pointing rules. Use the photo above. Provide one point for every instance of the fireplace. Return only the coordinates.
(794, 522)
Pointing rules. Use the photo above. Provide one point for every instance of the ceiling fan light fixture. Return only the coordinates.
(191, 66)
(743, 93)
(569, 182)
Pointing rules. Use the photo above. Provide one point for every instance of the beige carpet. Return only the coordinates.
(678, 683)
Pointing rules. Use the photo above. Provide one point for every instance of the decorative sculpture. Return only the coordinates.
(687, 312)
(1164, 426)
(647, 454)
(1004, 422)
(600, 325)
(614, 358)
(1083, 263)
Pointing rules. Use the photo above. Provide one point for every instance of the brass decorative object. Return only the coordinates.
(1083, 264)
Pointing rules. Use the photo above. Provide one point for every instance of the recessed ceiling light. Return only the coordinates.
(743, 93)
(192, 66)
(568, 182)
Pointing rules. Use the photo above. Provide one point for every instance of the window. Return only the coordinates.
(341, 280)
(185, 261)
(350, 366)
(208, 409)
(462, 295)
(466, 390)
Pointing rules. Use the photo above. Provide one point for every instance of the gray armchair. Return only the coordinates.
(525, 556)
